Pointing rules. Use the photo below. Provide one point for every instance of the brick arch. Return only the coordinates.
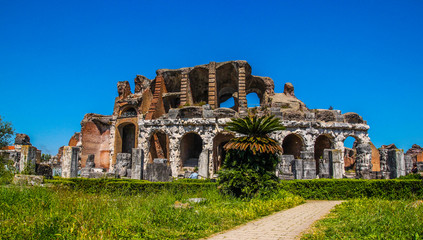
(322, 142)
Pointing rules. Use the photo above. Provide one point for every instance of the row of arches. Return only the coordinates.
(191, 146)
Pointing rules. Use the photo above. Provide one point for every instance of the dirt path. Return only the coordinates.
(287, 224)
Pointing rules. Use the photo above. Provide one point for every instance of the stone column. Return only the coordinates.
(70, 162)
(242, 95)
(284, 167)
(325, 168)
(408, 164)
(203, 163)
(184, 87)
(212, 85)
(137, 163)
(336, 160)
(27, 158)
(309, 165)
(363, 160)
(384, 163)
(396, 163)
(298, 169)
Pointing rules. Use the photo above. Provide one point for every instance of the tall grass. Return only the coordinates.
(57, 213)
(371, 219)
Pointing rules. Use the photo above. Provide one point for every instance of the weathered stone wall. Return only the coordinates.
(209, 128)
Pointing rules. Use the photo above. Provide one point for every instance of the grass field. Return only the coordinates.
(54, 213)
(371, 219)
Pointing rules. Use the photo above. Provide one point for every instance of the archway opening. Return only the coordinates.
(191, 147)
(128, 138)
(129, 112)
(159, 146)
(322, 142)
(292, 145)
(228, 103)
(253, 100)
(199, 84)
(350, 154)
(227, 84)
(219, 152)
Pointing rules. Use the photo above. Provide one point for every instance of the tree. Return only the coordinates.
(250, 162)
(6, 132)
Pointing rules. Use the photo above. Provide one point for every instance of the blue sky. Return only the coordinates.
(62, 59)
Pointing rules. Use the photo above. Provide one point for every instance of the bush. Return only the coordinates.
(7, 171)
(412, 176)
(337, 189)
(129, 186)
(247, 183)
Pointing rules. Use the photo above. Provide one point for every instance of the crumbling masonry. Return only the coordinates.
(173, 123)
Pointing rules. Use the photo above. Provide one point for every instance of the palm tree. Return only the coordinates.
(256, 131)
(250, 162)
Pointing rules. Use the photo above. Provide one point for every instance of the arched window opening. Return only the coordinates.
(229, 103)
(159, 146)
(227, 84)
(292, 145)
(322, 142)
(191, 147)
(219, 152)
(199, 84)
(128, 138)
(350, 154)
(253, 100)
(130, 112)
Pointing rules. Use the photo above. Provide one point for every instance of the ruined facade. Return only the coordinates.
(174, 123)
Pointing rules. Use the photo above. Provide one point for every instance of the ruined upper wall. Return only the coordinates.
(212, 84)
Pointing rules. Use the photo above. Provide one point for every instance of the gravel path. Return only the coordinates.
(286, 224)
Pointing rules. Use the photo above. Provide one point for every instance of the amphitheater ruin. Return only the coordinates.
(174, 123)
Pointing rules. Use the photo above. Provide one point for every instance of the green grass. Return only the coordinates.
(58, 213)
(371, 219)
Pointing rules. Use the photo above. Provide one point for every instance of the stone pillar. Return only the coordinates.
(363, 160)
(158, 171)
(70, 162)
(335, 157)
(325, 168)
(309, 165)
(396, 163)
(27, 158)
(184, 87)
(137, 163)
(284, 167)
(298, 169)
(203, 163)
(408, 164)
(212, 85)
(242, 95)
(384, 163)
(123, 164)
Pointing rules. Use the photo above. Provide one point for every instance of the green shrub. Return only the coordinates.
(247, 183)
(331, 189)
(130, 186)
(411, 176)
(7, 171)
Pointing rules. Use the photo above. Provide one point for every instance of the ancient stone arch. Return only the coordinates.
(227, 83)
(191, 146)
(218, 151)
(158, 146)
(293, 144)
(199, 85)
(322, 142)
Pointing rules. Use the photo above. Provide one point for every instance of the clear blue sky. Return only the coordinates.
(62, 59)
